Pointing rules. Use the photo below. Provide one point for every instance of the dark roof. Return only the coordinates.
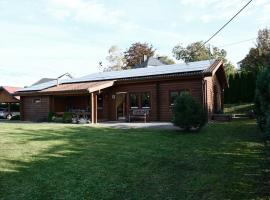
(43, 80)
(150, 62)
(183, 69)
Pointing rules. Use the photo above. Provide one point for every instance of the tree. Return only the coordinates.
(136, 53)
(197, 51)
(188, 113)
(193, 52)
(166, 60)
(262, 101)
(257, 58)
(115, 59)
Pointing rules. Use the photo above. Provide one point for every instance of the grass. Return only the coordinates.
(54, 161)
(238, 108)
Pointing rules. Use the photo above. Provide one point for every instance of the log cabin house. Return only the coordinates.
(115, 95)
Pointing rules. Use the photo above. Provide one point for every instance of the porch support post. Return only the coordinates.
(158, 100)
(94, 108)
(9, 107)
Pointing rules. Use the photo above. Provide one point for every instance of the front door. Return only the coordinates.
(121, 106)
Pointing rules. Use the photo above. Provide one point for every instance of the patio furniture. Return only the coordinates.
(139, 114)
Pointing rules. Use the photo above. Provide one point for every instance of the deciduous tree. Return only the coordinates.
(115, 59)
(135, 54)
(166, 60)
(257, 58)
(197, 51)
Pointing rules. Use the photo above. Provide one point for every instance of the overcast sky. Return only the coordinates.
(46, 38)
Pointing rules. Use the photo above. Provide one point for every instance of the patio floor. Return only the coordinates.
(127, 125)
(111, 124)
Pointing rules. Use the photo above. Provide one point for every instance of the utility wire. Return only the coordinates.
(227, 22)
(235, 43)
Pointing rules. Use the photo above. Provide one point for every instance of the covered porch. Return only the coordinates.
(8, 101)
(83, 100)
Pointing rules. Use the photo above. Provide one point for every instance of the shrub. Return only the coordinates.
(262, 101)
(188, 113)
(67, 117)
(57, 119)
(15, 117)
(50, 116)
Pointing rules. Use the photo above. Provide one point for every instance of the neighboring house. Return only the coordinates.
(7, 99)
(112, 96)
(150, 62)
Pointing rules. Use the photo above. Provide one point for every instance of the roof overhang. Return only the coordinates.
(11, 92)
(72, 88)
(217, 68)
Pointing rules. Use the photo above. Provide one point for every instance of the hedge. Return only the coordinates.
(241, 88)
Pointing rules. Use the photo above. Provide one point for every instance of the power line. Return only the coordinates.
(239, 42)
(227, 22)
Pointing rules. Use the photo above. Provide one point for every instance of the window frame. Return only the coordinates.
(141, 102)
(178, 93)
(137, 100)
(36, 100)
(98, 106)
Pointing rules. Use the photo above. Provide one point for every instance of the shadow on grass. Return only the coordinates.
(223, 162)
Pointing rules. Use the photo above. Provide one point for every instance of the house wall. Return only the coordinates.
(35, 111)
(193, 86)
(65, 103)
(209, 98)
(213, 88)
(160, 96)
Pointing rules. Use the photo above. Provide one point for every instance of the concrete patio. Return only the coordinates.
(111, 124)
(127, 125)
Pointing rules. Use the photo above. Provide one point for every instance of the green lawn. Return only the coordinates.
(54, 161)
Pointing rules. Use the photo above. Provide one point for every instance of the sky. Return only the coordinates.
(47, 38)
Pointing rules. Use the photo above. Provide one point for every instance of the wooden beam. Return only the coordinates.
(21, 109)
(9, 107)
(94, 108)
(157, 100)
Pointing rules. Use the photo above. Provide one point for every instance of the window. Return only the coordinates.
(145, 100)
(134, 100)
(36, 100)
(100, 101)
(175, 94)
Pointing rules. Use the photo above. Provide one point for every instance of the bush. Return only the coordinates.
(57, 119)
(188, 113)
(67, 117)
(262, 101)
(50, 116)
(15, 117)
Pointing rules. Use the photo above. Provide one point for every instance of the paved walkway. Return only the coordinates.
(114, 124)
(125, 125)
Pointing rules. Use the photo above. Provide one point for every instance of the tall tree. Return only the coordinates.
(197, 51)
(257, 58)
(193, 52)
(136, 53)
(115, 59)
(166, 60)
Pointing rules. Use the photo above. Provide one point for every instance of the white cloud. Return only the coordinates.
(84, 11)
(210, 10)
(265, 17)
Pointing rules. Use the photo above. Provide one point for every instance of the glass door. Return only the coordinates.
(121, 106)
